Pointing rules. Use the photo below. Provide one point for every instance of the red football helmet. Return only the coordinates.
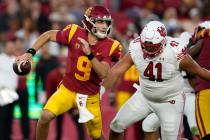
(153, 38)
(93, 14)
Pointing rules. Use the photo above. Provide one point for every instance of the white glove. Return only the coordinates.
(102, 91)
(205, 25)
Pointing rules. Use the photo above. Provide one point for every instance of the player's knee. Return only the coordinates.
(117, 126)
(149, 126)
(46, 116)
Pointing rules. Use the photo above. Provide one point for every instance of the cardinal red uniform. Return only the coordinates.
(80, 76)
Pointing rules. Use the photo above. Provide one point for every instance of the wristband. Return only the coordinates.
(90, 56)
(31, 51)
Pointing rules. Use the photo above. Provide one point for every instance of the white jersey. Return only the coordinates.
(160, 76)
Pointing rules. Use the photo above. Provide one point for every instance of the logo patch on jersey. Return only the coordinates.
(174, 44)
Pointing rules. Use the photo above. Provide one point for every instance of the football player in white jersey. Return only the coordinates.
(151, 123)
(159, 59)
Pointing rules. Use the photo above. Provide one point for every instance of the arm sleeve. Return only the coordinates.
(181, 49)
(115, 53)
(64, 36)
(185, 36)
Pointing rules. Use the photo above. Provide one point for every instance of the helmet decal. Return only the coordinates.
(162, 31)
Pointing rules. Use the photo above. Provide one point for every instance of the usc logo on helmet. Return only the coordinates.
(88, 11)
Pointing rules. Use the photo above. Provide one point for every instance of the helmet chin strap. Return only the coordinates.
(99, 34)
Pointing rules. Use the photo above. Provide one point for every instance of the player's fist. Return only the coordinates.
(85, 45)
(24, 58)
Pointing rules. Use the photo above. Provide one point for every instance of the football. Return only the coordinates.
(22, 69)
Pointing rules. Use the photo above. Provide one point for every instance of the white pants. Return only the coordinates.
(138, 107)
(151, 123)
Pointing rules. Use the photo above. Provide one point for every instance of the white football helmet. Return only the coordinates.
(153, 38)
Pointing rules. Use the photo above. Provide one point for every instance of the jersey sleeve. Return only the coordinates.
(64, 36)
(115, 53)
(180, 48)
(134, 49)
(185, 37)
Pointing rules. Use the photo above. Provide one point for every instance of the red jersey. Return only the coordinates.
(53, 80)
(203, 60)
(80, 76)
(130, 77)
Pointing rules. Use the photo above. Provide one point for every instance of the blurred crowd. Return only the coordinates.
(26, 19)
(22, 21)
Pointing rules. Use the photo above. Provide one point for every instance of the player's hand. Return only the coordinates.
(85, 45)
(24, 58)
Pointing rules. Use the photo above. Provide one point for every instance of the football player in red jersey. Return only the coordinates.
(90, 53)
